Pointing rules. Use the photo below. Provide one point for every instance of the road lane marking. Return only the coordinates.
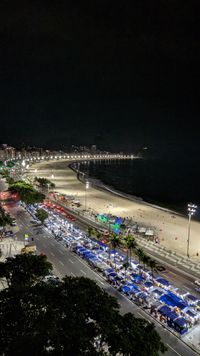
(52, 244)
(173, 350)
(62, 253)
(52, 254)
(186, 287)
(143, 317)
(82, 271)
(71, 261)
(61, 263)
(73, 274)
(97, 277)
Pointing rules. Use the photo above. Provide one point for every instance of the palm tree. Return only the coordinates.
(125, 265)
(5, 219)
(153, 265)
(140, 254)
(115, 242)
(130, 245)
(145, 260)
(89, 231)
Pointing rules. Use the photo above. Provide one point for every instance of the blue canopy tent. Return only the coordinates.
(80, 251)
(113, 252)
(86, 252)
(79, 247)
(164, 310)
(137, 278)
(163, 281)
(130, 288)
(142, 295)
(90, 256)
(171, 316)
(180, 325)
(148, 284)
(191, 299)
(172, 300)
(158, 292)
(133, 287)
(126, 289)
(108, 271)
(102, 245)
(191, 313)
(111, 275)
(93, 260)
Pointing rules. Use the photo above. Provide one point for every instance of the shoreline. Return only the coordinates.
(171, 228)
(100, 185)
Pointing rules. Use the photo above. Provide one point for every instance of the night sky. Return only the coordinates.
(119, 74)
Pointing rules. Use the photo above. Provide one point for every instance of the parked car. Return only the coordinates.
(161, 268)
(197, 282)
(8, 233)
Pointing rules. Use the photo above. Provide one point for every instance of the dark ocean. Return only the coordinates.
(168, 180)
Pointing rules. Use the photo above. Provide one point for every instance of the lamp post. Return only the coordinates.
(87, 185)
(191, 211)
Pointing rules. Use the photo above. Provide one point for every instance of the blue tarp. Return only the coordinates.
(135, 262)
(163, 281)
(133, 287)
(109, 270)
(172, 316)
(112, 274)
(192, 314)
(164, 310)
(192, 298)
(180, 325)
(126, 289)
(90, 257)
(181, 322)
(142, 295)
(102, 244)
(80, 248)
(172, 300)
(148, 284)
(86, 252)
(158, 292)
(113, 252)
(137, 278)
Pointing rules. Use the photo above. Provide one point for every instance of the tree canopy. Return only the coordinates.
(5, 218)
(73, 317)
(44, 183)
(27, 193)
(41, 214)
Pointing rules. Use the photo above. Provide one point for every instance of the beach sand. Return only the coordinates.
(170, 228)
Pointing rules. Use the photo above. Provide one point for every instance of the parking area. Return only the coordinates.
(174, 307)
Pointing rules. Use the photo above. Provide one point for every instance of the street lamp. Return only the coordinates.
(87, 185)
(191, 211)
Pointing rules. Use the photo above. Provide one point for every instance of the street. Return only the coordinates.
(68, 263)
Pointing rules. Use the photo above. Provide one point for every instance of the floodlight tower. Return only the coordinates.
(87, 185)
(191, 211)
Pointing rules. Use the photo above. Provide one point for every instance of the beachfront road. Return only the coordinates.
(68, 263)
